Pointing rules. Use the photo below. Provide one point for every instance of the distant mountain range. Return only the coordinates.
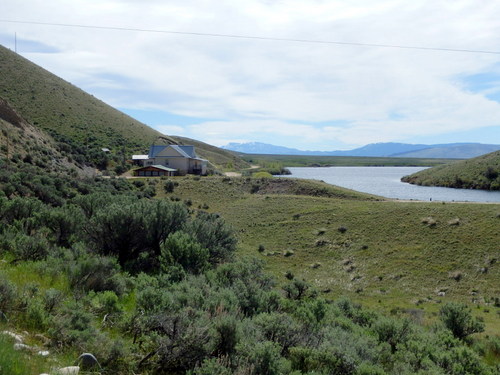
(389, 149)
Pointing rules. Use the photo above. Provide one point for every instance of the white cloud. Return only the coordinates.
(271, 91)
(170, 129)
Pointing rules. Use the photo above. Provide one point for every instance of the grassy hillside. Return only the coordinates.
(482, 172)
(82, 122)
(391, 254)
(57, 106)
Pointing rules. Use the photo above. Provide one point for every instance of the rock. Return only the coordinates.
(43, 353)
(18, 346)
(44, 340)
(441, 294)
(70, 370)
(87, 361)
(17, 338)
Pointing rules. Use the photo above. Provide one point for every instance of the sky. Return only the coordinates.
(271, 88)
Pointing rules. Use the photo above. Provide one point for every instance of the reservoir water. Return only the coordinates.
(386, 182)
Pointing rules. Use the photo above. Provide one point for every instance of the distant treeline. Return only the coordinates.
(347, 161)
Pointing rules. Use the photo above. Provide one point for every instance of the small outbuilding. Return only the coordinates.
(154, 171)
(139, 159)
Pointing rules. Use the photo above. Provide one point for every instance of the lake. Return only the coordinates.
(386, 182)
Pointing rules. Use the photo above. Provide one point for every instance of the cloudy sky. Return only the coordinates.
(307, 95)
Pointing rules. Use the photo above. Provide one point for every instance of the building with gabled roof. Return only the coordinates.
(181, 158)
(153, 171)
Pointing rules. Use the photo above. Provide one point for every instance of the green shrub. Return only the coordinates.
(264, 358)
(97, 274)
(181, 249)
(52, 298)
(138, 183)
(296, 289)
(127, 231)
(37, 317)
(227, 335)
(212, 233)
(169, 186)
(64, 223)
(185, 339)
(35, 247)
(262, 175)
(459, 320)
(212, 366)
(392, 331)
(280, 328)
(8, 294)
(73, 326)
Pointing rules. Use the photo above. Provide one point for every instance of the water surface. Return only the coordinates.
(386, 182)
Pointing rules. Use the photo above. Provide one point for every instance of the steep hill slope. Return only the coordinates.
(60, 108)
(482, 172)
(21, 142)
(84, 123)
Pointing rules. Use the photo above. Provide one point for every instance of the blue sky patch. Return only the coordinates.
(26, 45)
(486, 83)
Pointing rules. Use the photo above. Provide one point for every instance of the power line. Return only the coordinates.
(236, 36)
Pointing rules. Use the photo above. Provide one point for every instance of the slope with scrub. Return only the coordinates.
(482, 172)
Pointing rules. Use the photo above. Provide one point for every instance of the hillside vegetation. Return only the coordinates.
(81, 122)
(381, 252)
(482, 172)
(162, 286)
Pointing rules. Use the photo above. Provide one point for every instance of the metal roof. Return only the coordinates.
(139, 157)
(155, 150)
(185, 151)
(162, 167)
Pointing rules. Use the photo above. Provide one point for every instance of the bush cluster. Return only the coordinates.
(151, 287)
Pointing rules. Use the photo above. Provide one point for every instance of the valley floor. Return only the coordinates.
(388, 254)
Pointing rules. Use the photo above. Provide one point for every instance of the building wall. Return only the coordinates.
(197, 166)
(181, 164)
(153, 173)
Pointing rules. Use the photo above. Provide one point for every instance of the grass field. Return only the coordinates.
(385, 254)
(328, 161)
